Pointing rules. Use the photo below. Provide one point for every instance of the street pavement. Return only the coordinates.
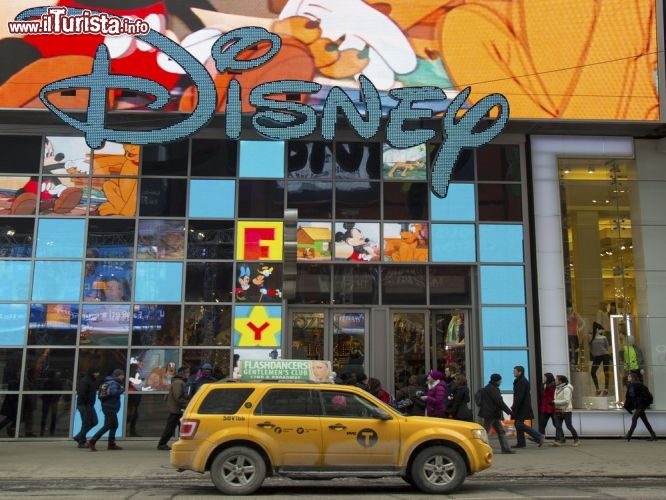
(139, 459)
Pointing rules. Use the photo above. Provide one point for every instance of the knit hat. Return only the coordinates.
(339, 402)
(118, 372)
(206, 366)
(495, 377)
(435, 374)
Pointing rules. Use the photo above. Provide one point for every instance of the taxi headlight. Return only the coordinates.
(480, 434)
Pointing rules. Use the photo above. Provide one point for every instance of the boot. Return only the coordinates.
(91, 445)
(653, 437)
(113, 446)
(628, 437)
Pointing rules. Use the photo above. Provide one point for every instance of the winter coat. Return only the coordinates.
(86, 390)
(547, 406)
(637, 397)
(522, 402)
(459, 399)
(176, 400)
(564, 398)
(436, 400)
(492, 405)
(116, 389)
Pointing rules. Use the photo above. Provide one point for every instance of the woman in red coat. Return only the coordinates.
(547, 408)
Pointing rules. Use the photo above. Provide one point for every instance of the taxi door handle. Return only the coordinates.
(337, 427)
(266, 424)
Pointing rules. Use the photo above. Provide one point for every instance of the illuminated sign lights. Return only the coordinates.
(276, 120)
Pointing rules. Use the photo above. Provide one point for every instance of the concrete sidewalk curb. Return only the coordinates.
(140, 460)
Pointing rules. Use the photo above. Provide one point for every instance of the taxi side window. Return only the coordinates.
(344, 404)
(225, 401)
(289, 402)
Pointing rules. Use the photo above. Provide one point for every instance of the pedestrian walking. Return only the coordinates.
(196, 380)
(110, 406)
(491, 407)
(176, 403)
(547, 408)
(636, 401)
(459, 398)
(522, 409)
(86, 391)
(563, 407)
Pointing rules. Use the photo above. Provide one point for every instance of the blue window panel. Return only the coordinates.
(261, 159)
(459, 204)
(57, 280)
(502, 285)
(212, 198)
(16, 272)
(158, 282)
(502, 362)
(504, 326)
(13, 324)
(453, 243)
(501, 243)
(100, 418)
(61, 238)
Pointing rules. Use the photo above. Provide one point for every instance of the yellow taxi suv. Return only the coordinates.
(242, 432)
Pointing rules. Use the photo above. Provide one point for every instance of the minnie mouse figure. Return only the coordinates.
(355, 238)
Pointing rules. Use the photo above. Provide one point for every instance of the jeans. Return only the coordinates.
(543, 421)
(499, 428)
(521, 429)
(634, 420)
(110, 424)
(88, 421)
(566, 418)
(173, 421)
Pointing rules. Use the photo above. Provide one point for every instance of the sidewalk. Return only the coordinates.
(141, 460)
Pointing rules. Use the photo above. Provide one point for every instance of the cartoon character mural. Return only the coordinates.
(259, 286)
(406, 242)
(503, 46)
(54, 195)
(352, 244)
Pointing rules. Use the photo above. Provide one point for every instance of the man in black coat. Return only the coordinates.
(491, 408)
(522, 409)
(86, 393)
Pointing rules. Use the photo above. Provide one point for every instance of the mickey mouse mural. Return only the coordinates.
(351, 243)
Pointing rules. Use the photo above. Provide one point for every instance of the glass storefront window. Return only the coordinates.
(16, 236)
(156, 324)
(313, 284)
(599, 277)
(260, 199)
(356, 284)
(110, 238)
(349, 331)
(500, 202)
(450, 285)
(53, 324)
(165, 159)
(207, 326)
(209, 282)
(214, 158)
(210, 240)
(402, 285)
(162, 197)
(406, 201)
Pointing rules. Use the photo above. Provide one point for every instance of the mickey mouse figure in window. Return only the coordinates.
(243, 283)
(264, 272)
(360, 245)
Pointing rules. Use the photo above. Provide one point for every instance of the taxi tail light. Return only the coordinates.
(188, 428)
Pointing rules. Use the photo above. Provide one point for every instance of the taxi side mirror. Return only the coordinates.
(380, 414)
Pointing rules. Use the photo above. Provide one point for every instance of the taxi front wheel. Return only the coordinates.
(238, 471)
(438, 469)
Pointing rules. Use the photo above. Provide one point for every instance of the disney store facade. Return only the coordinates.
(214, 249)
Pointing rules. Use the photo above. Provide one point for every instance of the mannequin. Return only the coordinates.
(575, 324)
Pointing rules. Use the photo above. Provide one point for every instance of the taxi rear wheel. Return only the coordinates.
(238, 471)
(438, 469)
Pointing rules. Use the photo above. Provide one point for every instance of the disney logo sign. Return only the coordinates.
(275, 119)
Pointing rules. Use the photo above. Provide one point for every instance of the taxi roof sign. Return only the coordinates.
(300, 370)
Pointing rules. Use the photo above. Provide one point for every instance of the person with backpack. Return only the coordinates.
(109, 394)
(491, 409)
(636, 401)
(86, 391)
(176, 403)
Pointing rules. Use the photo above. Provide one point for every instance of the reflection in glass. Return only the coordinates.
(500, 202)
(155, 324)
(210, 239)
(104, 360)
(313, 284)
(498, 162)
(161, 239)
(355, 284)
(207, 326)
(307, 333)
(105, 324)
(357, 200)
(151, 369)
(357, 160)
(406, 201)
(53, 324)
(106, 280)
(314, 200)
(165, 159)
(349, 330)
(450, 285)
(110, 238)
(47, 412)
(219, 358)
(163, 197)
(43, 364)
(209, 282)
(403, 285)
(409, 344)
(260, 199)
(214, 157)
(463, 170)
(308, 160)
(16, 235)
